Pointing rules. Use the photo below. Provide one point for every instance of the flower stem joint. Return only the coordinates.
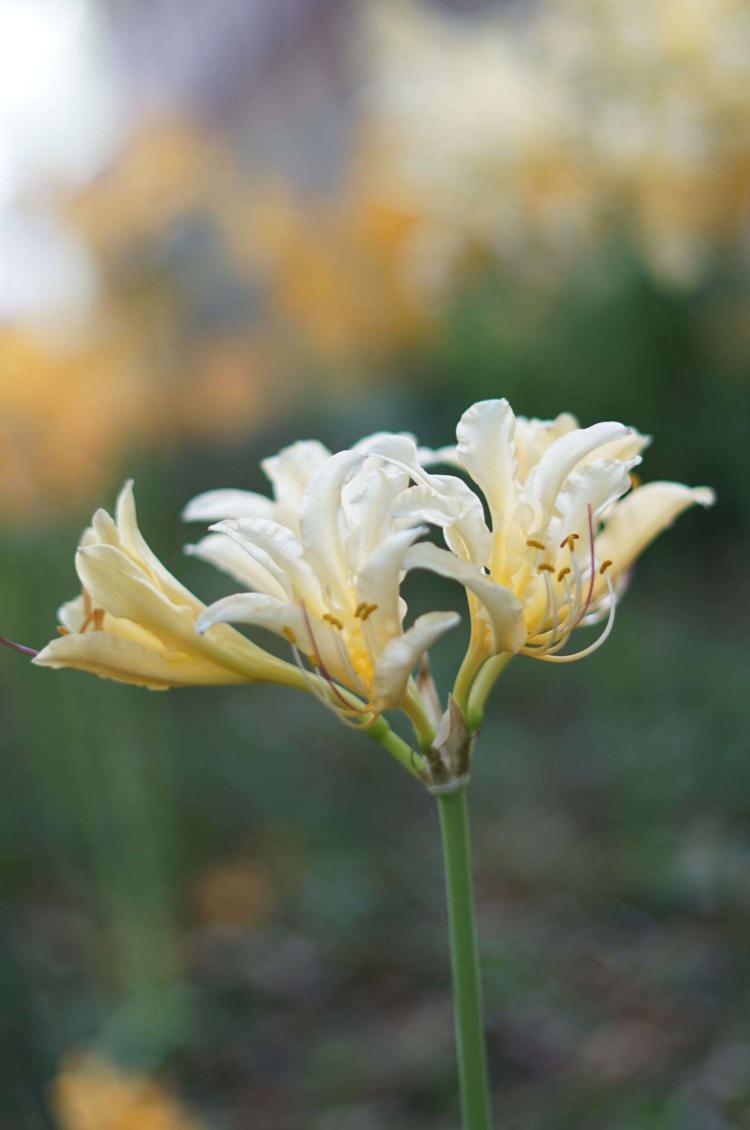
(449, 755)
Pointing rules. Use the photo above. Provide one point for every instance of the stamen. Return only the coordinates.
(369, 611)
(592, 568)
(18, 647)
(289, 635)
(534, 544)
(320, 664)
(564, 572)
(570, 541)
(604, 566)
(635, 480)
(360, 608)
(98, 619)
(63, 631)
(597, 642)
(334, 620)
(545, 567)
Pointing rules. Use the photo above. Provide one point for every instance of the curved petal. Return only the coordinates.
(594, 485)
(278, 551)
(277, 616)
(502, 609)
(534, 436)
(216, 505)
(133, 542)
(111, 657)
(124, 590)
(378, 584)
(233, 559)
(642, 516)
(401, 655)
(367, 501)
(486, 449)
(438, 456)
(454, 507)
(290, 471)
(563, 456)
(321, 523)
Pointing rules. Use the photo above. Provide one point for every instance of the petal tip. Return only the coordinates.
(704, 496)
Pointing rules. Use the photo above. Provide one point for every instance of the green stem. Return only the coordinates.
(380, 732)
(467, 987)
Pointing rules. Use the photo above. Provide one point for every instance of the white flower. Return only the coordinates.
(325, 559)
(561, 539)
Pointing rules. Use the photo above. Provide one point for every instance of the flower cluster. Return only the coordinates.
(542, 537)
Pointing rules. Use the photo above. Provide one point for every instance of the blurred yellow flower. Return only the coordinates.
(90, 1093)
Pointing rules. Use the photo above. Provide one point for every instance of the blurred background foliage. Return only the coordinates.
(224, 227)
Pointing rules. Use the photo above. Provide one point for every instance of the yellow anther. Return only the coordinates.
(63, 631)
(289, 634)
(334, 620)
(361, 608)
(570, 541)
(98, 619)
(564, 572)
(534, 544)
(370, 608)
(545, 567)
(635, 480)
(604, 566)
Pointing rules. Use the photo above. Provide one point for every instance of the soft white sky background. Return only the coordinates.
(59, 123)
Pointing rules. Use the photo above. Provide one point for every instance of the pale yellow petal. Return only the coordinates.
(401, 655)
(640, 517)
(502, 611)
(111, 657)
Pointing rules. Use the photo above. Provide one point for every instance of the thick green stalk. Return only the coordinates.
(467, 987)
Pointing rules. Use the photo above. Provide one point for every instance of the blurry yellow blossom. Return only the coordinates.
(539, 131)
(66, 413)
(90, 1093)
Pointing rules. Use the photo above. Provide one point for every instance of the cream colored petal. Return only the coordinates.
(118, 586)
(635, 521)
(110, 657)
(262, 611)
(216, 505)
(502, 611)
(378, 584)
(486, 449)
(559, 460)
(454, 507)
(291, 470)
(134, 543)
(403, 653)
(233, 559)
(103, 530)
(534, 436)
(438, 456)
(593, 485)
(321, 521)
(367, 502)
(279, 552)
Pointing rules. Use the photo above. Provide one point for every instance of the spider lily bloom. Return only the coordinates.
(135, 623)
(327, 578)
(561, 541)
